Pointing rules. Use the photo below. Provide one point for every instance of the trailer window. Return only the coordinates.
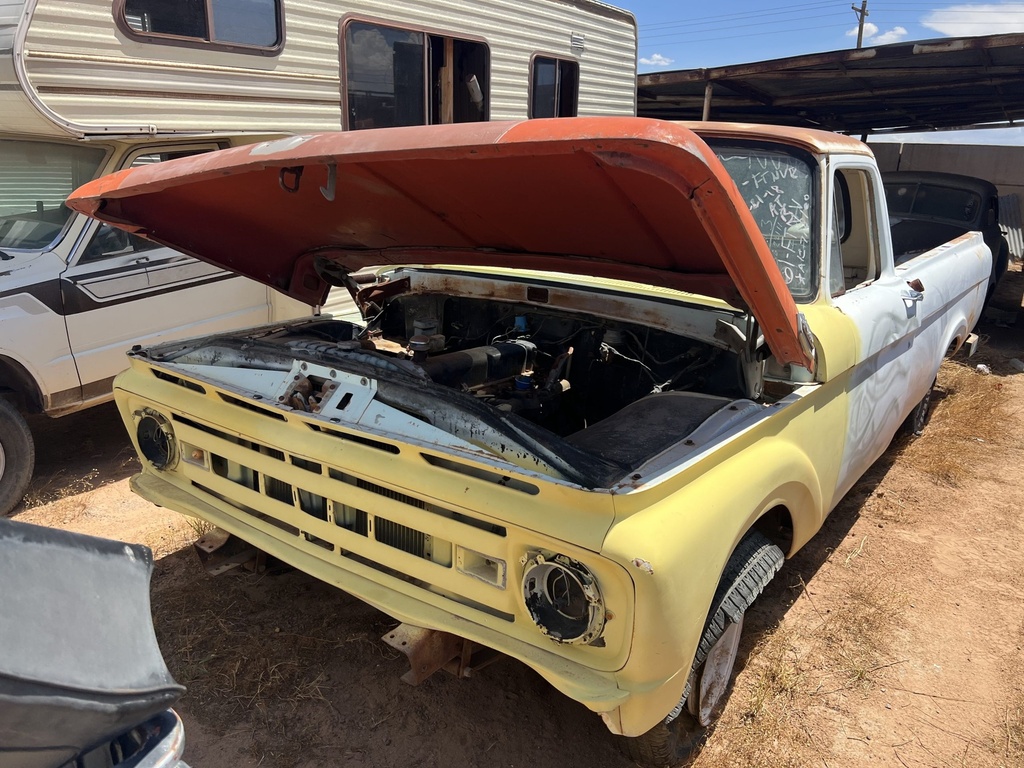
(231, 23)
(407, 77)
(554, 87)
(35, 179)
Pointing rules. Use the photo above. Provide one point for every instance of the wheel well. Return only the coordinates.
(956, 341)
(776, 525)
(17, 385)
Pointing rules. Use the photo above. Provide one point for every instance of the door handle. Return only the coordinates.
(914, 292)
(141, 260)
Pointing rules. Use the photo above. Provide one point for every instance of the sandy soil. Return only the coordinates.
(893, 639)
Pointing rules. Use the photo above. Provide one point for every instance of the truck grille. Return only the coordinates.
(342, 514)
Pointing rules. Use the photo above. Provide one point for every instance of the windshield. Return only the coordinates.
(35, 179)
(778, 187)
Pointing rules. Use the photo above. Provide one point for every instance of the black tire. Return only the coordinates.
(17, 456)
(678, 739)
(921, 415)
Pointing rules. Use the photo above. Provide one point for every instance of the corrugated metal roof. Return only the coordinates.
(924, 85)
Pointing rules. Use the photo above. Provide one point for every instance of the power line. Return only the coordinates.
(681, 33)
(760, 34)
(795, 9)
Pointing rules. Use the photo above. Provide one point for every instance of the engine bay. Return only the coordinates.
(593, 396)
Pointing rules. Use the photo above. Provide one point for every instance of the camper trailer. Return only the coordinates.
(89, 88)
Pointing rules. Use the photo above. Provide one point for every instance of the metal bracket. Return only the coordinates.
(219, 552)
(295, 174)
(429, 650)
(332, 181)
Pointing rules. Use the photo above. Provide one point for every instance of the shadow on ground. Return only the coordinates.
(78, 453)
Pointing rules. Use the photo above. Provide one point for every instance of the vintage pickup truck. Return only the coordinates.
(614, 370)
(929, 208)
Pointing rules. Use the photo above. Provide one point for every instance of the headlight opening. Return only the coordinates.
(563, 599)
(156, 439)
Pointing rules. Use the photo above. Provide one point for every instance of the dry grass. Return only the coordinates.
(971, 405)
(198, 526)
(59, 486)
(856, 636)
(837, 648)
(768, 730)
(1012, 727)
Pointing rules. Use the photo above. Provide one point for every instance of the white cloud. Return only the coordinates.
(893, 35)
(872, 37)
(656, 60)
(980, 19)
(869, 30)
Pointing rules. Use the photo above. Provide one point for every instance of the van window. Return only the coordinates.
(407, 77)
(249, 23)
(554, 87)
(109, 241)
(35, 179)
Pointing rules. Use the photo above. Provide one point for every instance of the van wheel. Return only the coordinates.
(17, 456)
(677, 739)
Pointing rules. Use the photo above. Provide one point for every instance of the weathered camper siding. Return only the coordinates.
(19, 115)
(92, 75)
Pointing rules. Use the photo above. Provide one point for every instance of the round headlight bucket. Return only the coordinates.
(156, 440)
(563, 599)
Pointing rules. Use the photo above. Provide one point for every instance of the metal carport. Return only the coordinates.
(917, 86)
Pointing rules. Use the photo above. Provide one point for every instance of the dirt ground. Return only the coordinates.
(893, 639)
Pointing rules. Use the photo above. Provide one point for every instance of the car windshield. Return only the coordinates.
(779, 189)
(35, 179)
(933, 201)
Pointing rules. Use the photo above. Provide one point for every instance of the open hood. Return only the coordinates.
(625, 198)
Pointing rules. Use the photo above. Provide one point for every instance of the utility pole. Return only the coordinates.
(862, 13)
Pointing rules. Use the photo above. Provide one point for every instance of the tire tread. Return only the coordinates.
(753, 564)
(20, 455)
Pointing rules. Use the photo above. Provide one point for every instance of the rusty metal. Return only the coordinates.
(429, 650)
(219, 552)
(472, 659)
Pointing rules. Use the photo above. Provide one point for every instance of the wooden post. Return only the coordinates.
(447, 86)
(862, 13)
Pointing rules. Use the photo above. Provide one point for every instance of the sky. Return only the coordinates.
(688, 35)
(678, 35)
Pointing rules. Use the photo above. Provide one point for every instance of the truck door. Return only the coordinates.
(119, 290)
(894, 368)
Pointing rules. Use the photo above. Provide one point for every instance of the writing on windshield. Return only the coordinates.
(778, 190)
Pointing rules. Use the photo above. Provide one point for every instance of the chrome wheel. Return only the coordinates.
(708, 697)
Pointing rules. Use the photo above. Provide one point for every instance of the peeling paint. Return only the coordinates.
(643, 565)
